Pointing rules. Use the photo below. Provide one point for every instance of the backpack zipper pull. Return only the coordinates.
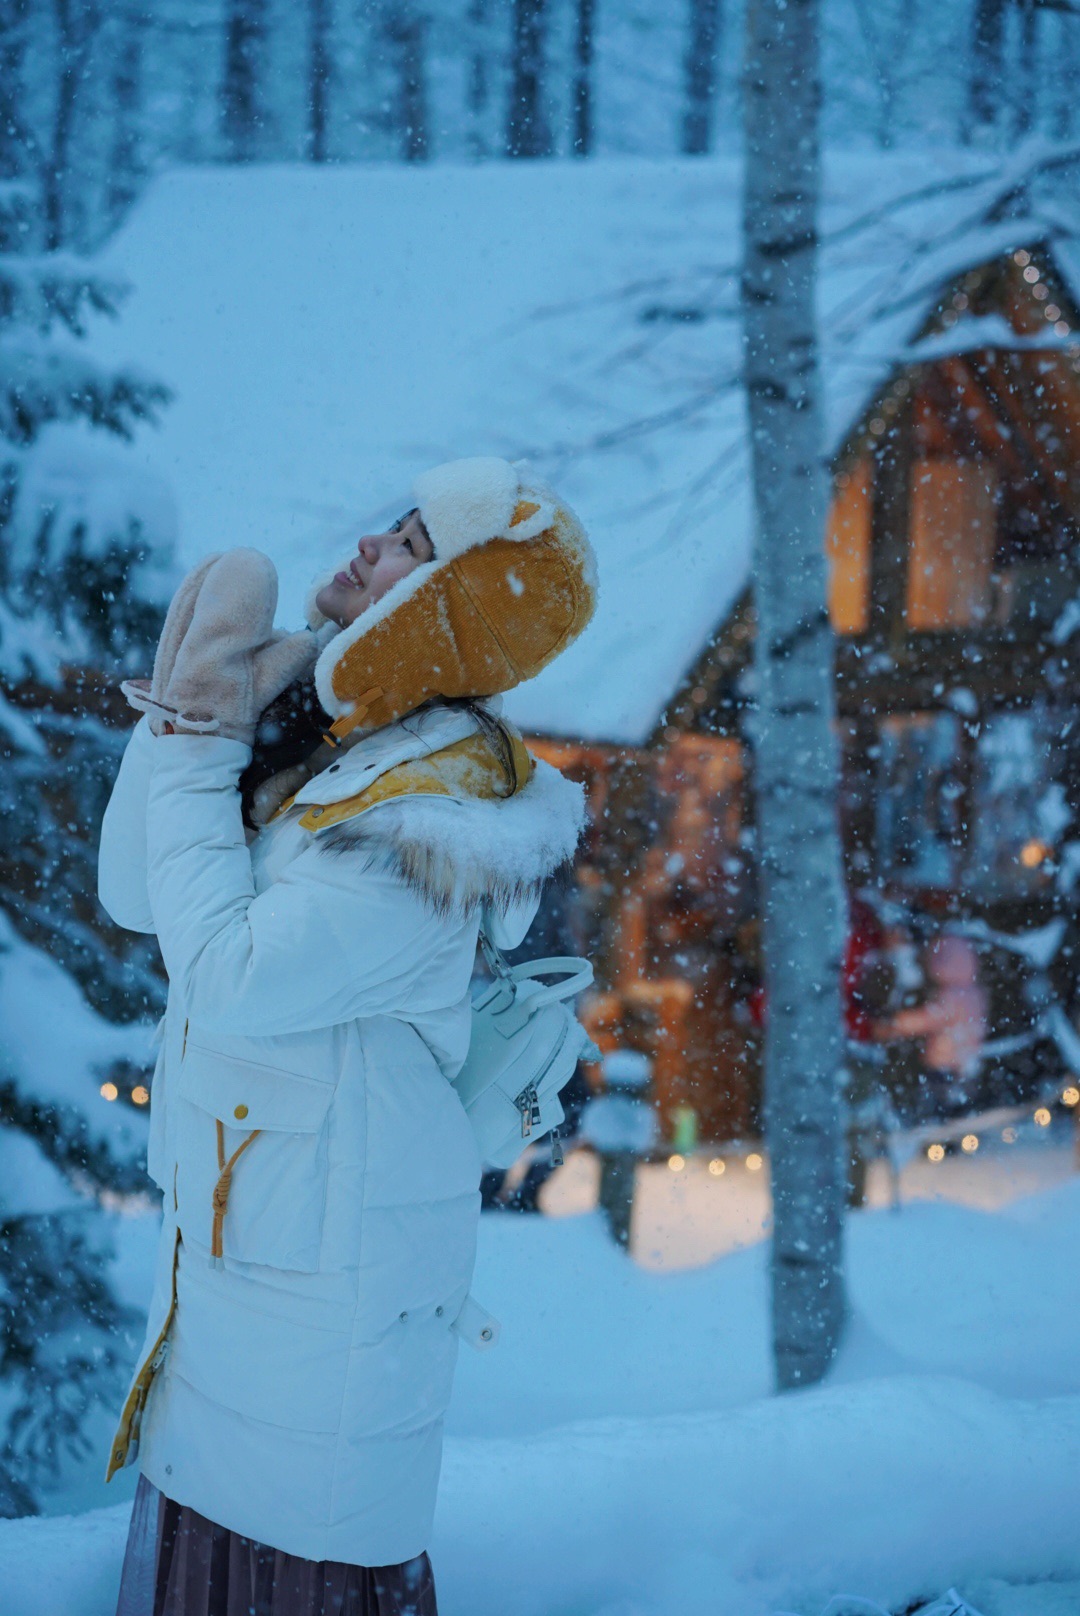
(557, 1155)
(528, 1103)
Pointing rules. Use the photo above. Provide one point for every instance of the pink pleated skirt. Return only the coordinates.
(177, 1563)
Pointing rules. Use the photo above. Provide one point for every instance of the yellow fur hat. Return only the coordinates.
(512, 583)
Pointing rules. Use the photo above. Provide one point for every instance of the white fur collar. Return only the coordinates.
(460, 854)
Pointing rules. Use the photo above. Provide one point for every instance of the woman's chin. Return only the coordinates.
(339, 603)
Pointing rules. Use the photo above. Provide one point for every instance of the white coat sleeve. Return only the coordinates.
(329, 941)
(122, 848)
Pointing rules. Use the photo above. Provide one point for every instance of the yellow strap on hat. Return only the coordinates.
(347, 723)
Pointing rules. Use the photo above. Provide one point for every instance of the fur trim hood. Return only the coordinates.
(511, 584)
(460, 853)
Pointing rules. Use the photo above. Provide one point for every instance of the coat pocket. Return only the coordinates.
(252, 1159)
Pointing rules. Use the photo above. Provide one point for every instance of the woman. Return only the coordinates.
(320, 1177)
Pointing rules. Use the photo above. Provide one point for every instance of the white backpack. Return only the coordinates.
(525, 1043)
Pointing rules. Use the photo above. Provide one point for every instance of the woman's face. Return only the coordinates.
(380, 560)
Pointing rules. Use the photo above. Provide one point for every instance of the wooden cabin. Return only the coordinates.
(954, 590)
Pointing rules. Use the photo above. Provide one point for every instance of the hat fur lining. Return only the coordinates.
(465, 502)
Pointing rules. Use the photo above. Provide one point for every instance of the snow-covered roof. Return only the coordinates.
(330, 332)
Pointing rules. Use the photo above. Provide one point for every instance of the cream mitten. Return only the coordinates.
(231, 662)
(147, 695)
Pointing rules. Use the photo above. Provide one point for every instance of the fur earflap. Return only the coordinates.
(457, 855)
(342, 640)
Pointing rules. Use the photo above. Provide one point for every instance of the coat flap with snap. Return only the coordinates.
(476, 1326)
(362, 765)
(245, 1094)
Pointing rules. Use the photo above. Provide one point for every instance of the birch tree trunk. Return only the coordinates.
(795, 751)
(405, 29)
(987, 62)
(18, 148)
(700, 68)
(478, 84)
(1025, 81)
(243, 90)
(127, 162)
(527, 131)
(319, 70)
(76, 26)
(1063, 80)
(581, 97)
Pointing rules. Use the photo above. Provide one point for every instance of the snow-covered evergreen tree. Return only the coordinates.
(81, 587)
(82, 579)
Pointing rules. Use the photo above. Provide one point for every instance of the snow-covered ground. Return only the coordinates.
(621, 1453)
(694, 1215)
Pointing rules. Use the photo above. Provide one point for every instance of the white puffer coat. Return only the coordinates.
(295, 1390)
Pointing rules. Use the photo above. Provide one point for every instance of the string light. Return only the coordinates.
(1070, 1096)
(754, 1162)
(970, 1143)
(936, 1153)
(716, 1166)
(140, 1095)
(1034, 853)
(109, 1091)
(1042, 1117)
(1009, 1135)
(887, 407)
(676, 1163)
(1041, 292)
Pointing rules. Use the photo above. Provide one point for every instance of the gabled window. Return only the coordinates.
(848, 551)
(958, 506)
(952, 545)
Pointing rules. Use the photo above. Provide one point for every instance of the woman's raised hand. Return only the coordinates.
(220, 661)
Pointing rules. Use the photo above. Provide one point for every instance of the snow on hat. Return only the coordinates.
(511, 584)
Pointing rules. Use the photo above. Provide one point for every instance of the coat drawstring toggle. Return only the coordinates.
(220, 1198)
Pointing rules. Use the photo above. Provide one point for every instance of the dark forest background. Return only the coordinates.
(97, 95)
